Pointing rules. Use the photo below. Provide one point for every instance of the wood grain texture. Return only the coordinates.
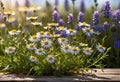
(94, 75)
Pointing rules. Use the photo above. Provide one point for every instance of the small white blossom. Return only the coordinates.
(10, 50)
(87, 51)
(33, 58)
(34, 38)
(46, 43)
(40, 51)
(50, 58)
(100, 48)
(14, 32)
(62, 40)
(88, 31)
(75, 50)
(31, 46)
(66, 48)
(71, 32)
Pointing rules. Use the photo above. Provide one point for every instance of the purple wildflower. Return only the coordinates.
(81, 17)
(78, 28)
(64, 33)
(61, 22)
(105, 26)
(66, 5)
(27, 3)
(95, 18)
(56, 2)
(82, 6)
(55, 16)
(70, 18)
(116, 16)
(106, 10)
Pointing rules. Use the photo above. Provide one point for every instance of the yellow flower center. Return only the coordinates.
(56, 35)
(52, 24)
(34, 37)
(87, 29)
(14, 31)
(61, 27)
(50, 58)
(41, 32)
(36, 23)
(10, 49)
(35, 7)
(46, 27)
(9, 12)
(66, 47)
(100, 46)
(0, 24)
(33, 57)
(74, 49)
(31, 17)
(40, 50)
(46, 42)
(11, 19)
(62, 39)
(25, 8)
(70, 30)
(31, 45)
(84, 23)
(87, 49)
(48, 33)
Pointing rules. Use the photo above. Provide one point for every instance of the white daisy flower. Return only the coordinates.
(56, 35)
(66, 48)
(62, 40)
(46, 43)
(24, 9)
(11, 19)
(88, 31)
(60, 28)
(31, 46)
(14, 32)
(71, 32)
(41, 34)
(34, 38)
(50, 58)
(100, 48)
(83, 24)
(75, 50)
(40, 51)
(33, 58)
(2, 25)
(83, 44)
(10, 50)
(36, 23)
(9, 12)
(87, 51)
(52, 24)
(47, 27)
(35, 8)
(31, 18)
(48, 34)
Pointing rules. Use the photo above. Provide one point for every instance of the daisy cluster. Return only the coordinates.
(52, 44)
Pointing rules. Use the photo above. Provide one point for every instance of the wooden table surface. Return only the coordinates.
(96, 75)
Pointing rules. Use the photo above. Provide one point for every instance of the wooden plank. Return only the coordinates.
(96, 75)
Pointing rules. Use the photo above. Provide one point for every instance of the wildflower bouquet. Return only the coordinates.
(49, 49)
